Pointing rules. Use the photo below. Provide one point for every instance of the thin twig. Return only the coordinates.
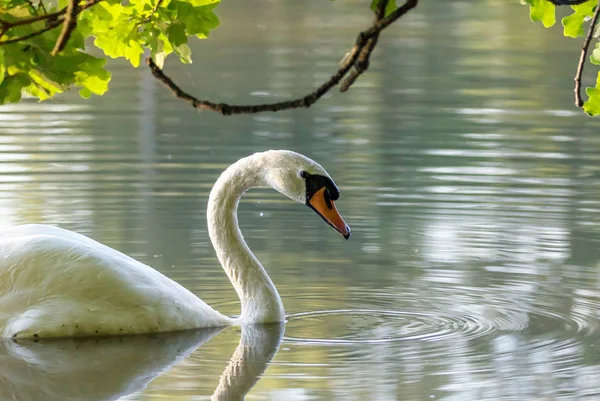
(4, 29)
(362, 63)
(305, 101)
(69, 24)
(31, 20)
(51, 25)
(154, 9)
(584, 50)
(35, 11)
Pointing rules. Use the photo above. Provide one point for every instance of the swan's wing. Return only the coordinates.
(25, 230)
(56, 286)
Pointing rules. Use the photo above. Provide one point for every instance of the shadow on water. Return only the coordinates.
(110, 368)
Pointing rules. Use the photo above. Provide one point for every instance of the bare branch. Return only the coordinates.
(306, 101)
(362, 63)
(582, 57)
(69, 24)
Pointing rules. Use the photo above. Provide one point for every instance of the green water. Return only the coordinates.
(470, 181)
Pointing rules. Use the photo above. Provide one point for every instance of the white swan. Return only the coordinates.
(57, 283)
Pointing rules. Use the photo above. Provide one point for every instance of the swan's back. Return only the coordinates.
(57, 283)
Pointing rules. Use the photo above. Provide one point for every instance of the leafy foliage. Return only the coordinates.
(29, 32)
(573, 24)
(573, 27)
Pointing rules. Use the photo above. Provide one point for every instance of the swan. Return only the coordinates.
(57, 283)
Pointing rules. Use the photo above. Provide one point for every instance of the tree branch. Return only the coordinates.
(566, 2)
(582, 57)
(306, 101)
(50, 26)
(152, 12)
(362, 63)
(31, 20)
(54, 19)
(69, 24)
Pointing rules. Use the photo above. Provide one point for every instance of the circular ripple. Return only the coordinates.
(380, 326)
(351, 326)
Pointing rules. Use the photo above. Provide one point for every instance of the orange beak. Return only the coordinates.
(325, 208)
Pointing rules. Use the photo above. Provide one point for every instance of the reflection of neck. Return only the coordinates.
(259, 298)
(258, 345)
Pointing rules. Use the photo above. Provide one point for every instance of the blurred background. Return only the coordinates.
(470, 180)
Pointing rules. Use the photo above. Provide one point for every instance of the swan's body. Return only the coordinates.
(57, 283)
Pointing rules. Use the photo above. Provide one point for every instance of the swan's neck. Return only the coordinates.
(259, 297)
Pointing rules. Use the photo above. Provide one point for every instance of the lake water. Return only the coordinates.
(471, 183)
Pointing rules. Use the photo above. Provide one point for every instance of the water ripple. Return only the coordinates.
(460, 312)
(380, 326)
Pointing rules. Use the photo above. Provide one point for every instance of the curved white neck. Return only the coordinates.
(259, 297)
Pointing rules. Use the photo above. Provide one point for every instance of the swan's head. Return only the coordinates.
(305, 181)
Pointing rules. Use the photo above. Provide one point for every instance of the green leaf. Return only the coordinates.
(159, 53)
(592, 105)
(116, 41)
(2, 66)
(389, 8)
(133, 53)
(93, 76)
(595, 57)
(199, 21)
(542, 10)
(11, 88)
(200, 3)
(177, 34)
(85, 93)
(573, 24)
(184, 53)
(43, 86)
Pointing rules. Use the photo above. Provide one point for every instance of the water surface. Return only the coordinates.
(470, 181)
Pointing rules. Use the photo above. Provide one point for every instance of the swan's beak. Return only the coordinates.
(326, 209)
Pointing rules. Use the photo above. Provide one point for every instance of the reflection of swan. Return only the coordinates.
(112, 367)
(258, 345)
(57, 283)
(90, 369)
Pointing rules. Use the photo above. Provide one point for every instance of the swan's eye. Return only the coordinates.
(303, 174)
(333, 194)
